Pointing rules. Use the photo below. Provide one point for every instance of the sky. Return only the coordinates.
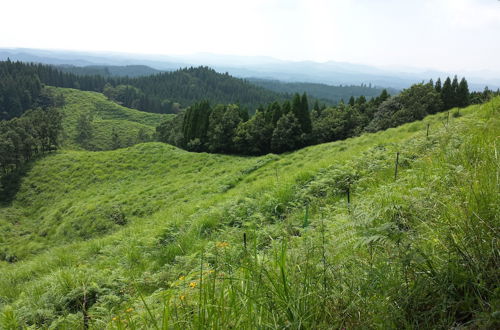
(447, 35)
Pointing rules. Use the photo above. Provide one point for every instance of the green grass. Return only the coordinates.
(107, 117)
(151, 236)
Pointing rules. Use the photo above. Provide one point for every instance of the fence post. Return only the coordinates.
(396, 168)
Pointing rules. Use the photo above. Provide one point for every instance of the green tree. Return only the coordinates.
(447, 94)
(195, 126)
(223, 122)
(454, 88)
(115, 140)
(437, 86)
(254, 136)
(287, 135)
(142, 136)
(84, 130)
(463, 95)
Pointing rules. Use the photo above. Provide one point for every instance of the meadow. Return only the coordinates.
(329, 236)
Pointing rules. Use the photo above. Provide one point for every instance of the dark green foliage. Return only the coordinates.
(351, 101)
(223, 130)
(333, 124)
(142, 136)
(195, 125)
(437, 86)
(455, 94)
(300, 109)
(159, 93)
(35, 132)
(115, 140)
(254, 136)
(454, 88)
(321, 92)
(463, 98)
(20, 88)
(287, 135)
(223, 122)
(412, 104)
(481, 97)
(84, 130)
(171, 130)
(110, 70)
(447, 94)
(276, 111)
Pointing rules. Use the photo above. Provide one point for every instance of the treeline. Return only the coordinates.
(109, 70)
(32, 134)
(155, 93)
(290, 125)
(19, 89)
(326, 93)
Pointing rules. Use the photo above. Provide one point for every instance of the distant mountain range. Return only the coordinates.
(331, 73)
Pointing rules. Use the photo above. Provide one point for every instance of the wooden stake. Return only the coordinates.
(245, 241)
(396, 168)
(428, 129)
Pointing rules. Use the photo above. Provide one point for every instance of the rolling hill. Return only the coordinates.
(151, 236)
(106, 118)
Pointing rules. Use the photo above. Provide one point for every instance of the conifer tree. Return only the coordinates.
(463, 93)
(437, 86)
(351, 101)
(454, 88)
(447, 94)
(300, 109)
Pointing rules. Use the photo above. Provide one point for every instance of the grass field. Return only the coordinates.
(151, 236)
(107, 117)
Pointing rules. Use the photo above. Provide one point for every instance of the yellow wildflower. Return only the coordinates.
(182, 278)
(114, 318)
(193, 285)
(129, 310)
(222, 244)
(182, 297)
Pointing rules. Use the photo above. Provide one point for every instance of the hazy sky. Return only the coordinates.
(440, 34)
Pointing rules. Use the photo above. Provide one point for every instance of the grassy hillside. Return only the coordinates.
(107, 117)
(155, 237)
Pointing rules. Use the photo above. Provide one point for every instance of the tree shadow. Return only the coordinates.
(10, 183)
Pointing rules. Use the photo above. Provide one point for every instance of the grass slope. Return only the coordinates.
(153, 236)
(107, 116)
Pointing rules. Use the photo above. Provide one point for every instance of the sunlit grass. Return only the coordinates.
(214, 241)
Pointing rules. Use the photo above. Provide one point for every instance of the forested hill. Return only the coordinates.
(110, 70)
(160, 93)
(190, 85)
(325, 93)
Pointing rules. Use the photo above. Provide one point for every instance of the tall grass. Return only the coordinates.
(419, 252)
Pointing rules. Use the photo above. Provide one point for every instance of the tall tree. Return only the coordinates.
(287, 134)
(447, 95)
(454, 88)
(437, 86)
(463, 98)
(84, 130)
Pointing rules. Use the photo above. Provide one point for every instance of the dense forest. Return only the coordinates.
(109, 70)
(290, 125)
(325, 93)
(35, 132)
(160, 93)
